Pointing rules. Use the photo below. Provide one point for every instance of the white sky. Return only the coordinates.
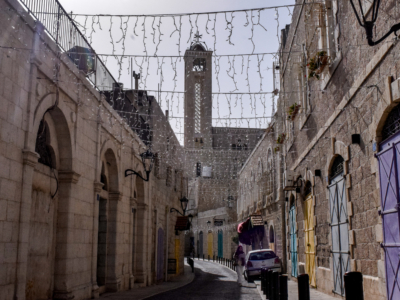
(229, 107)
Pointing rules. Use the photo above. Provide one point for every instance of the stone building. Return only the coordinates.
(72, 225)
(213, 157)
(338, 111)
(260, 192)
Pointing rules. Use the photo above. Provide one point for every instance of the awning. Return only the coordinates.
(251, 229)
(182, 223)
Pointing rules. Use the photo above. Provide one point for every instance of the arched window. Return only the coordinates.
(308, 188)
(198, 169)
(337, 167)
(199, 64)
(43, 148)
(392, 123)
(271, 235)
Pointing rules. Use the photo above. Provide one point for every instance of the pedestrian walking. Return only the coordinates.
(239, 263)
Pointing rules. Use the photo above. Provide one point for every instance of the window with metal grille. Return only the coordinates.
(197, 108)
(392, 124)
(337, 166)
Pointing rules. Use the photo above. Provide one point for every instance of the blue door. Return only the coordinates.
(389, 165)
(220, 244)
(293, 239)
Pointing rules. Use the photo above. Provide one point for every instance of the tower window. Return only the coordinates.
(199, 64)
(197, 108)
(198, 169)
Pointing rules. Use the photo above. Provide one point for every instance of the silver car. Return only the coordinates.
(258, 259)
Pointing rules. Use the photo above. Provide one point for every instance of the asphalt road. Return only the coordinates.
(212, 282)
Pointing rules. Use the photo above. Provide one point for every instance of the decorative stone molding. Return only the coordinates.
(115, 196)
(30, 158)
(98, 186)
(142, 206)
(68, 176)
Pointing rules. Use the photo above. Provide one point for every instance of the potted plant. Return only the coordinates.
(292, 111)
(276, 149)
(317, 64)
(281, 138)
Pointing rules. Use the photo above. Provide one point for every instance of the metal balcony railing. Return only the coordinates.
(62, 29)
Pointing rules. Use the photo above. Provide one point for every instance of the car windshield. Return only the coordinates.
(262, 255)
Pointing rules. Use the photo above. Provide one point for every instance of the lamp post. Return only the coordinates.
(369, 25)
(147, 161)
(184, 204)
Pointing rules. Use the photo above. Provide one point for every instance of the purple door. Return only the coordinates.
(160, 255)
(389, 166)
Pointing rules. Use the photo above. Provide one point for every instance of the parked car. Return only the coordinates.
(258, 259)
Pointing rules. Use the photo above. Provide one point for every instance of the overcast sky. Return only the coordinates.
(245, 74)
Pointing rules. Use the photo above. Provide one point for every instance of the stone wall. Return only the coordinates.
(345, 101)
(52, 211)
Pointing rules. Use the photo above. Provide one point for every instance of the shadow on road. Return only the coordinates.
(210, 286)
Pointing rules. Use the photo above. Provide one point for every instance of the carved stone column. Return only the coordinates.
(30, 160)
(97, 190)
(141, 245)
(113, 277)
(64, 273)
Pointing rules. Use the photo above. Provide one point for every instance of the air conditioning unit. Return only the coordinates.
(288, 180)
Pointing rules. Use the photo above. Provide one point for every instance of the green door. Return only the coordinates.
(220, 244)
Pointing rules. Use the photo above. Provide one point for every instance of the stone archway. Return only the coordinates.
(50, 207)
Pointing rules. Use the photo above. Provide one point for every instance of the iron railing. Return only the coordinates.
(62, 29)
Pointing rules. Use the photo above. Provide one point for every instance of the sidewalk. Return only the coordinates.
(293, 292)
(146, 292)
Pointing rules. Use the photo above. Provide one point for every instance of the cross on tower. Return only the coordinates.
(197, 37)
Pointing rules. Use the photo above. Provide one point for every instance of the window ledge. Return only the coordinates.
(327, 76)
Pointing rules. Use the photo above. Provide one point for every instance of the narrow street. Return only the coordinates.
(212, 281)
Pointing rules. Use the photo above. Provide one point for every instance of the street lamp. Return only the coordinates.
(369, 25)
(208, 224)
(190, 218)
(184, 204)
(147, 161)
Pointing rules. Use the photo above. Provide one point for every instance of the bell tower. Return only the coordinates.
(198, 95)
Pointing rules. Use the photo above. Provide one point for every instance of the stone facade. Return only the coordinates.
(260, 191)
(356, 89)
(71, 224)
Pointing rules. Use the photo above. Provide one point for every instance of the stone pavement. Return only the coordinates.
(294, 295)
(150, 291)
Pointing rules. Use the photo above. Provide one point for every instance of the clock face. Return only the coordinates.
(199, 64)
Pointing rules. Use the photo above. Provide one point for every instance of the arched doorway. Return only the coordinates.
(50, 209)
(389, 178)
(271, 238)
(160, 255)
(220, 243)
(339, 224)
(293, 236)
(309, 234)
(200, 250)
(210, 240)
(108, 207)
